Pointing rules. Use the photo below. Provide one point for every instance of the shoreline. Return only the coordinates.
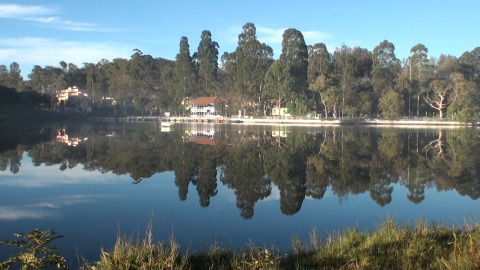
(404, 123)
(375, 122)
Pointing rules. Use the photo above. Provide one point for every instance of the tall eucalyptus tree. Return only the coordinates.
(418, 65)
(102, 79)
(470, 65)
(146, 75)
(120, 81)
(184, 73)
(246, 68)
(438, 92)
(476, 65)
(95, 79)
(319, 71)
(11, 77)
(464, 99)
(44, 80)
(319, 61)
(295, 54)
(90, 70)
(385, 67)
(16, 79)
(345, 77)
(207, 60)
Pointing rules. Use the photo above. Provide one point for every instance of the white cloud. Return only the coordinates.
(29, 51)
(273, 36)
(43, 16)
(18, 213)
(45, 209)
(264, 34)
(312, 37)
(47, 176)
(44, 19)
(13, 11)
(270, 35)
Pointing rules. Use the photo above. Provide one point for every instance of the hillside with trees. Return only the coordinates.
(306, 78)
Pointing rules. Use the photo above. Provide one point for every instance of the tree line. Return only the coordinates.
(251, 163)
(348, 82)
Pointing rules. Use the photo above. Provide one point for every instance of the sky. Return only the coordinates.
(47, 32)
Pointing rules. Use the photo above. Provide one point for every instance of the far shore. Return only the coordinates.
(299, 121)
(410, 122)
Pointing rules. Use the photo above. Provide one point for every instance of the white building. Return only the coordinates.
(64, 94)
(206, 107)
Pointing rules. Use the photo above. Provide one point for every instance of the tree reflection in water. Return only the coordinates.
(250, 162)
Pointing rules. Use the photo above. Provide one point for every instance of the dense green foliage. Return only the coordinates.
(35, 251)
(348, 82)
(12, 101)
(390, 246)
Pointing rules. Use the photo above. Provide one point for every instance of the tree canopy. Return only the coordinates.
(344, 82)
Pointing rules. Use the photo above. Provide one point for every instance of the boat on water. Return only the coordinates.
(166, 129)
(166, 126)
(166, 123)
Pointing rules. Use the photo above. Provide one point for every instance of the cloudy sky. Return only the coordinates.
(47, 32)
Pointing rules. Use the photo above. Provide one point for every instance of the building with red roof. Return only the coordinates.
(206, 107)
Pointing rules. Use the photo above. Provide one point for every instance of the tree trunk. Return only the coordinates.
(326, 110)
(418, 106)
(409, 101)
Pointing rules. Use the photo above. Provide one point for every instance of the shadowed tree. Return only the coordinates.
(184, 73)
(418, 70)
(385, 68)
(390, 104)
(120, 81)
(206, 59)
(437, 94)
(246, 68)
(279, 82)
(206, 179)
(319, 69)
(295, 56)
(319, 86)
(345, 78)
(15, 77)
(243, 173)
(468, 63)
(183, 163)
(319, 61)
(317, 177)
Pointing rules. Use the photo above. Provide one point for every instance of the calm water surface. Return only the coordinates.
(233, 184)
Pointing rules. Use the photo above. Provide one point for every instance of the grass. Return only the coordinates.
(390, 246)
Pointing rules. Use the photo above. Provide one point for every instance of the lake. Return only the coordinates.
(228, 183)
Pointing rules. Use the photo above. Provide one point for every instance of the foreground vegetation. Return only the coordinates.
(390, 246)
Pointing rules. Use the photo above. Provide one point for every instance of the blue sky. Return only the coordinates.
(47, 32)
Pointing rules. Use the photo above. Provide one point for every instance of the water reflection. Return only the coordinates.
(298, 162)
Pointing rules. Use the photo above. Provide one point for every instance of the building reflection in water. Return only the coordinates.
(203, 133)
(63, 137)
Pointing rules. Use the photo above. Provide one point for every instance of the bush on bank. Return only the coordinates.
(390, 246)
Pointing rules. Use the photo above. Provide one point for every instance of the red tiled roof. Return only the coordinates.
(205, 100)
